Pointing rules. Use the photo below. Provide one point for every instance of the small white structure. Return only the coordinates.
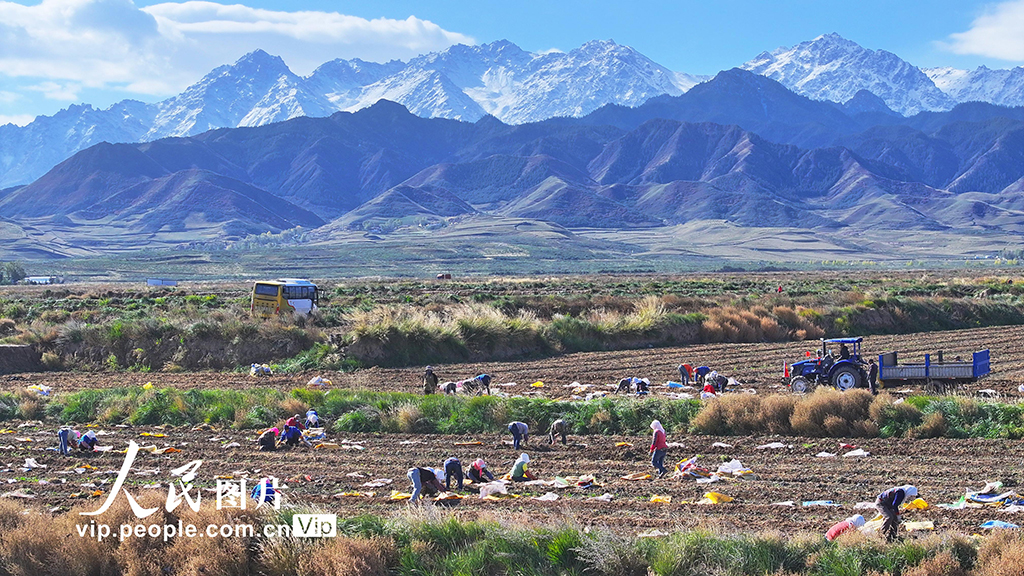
(160, 282)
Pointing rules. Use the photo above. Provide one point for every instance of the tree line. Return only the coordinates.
(11, 272)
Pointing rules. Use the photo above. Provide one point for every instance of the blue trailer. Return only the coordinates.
(935, 374)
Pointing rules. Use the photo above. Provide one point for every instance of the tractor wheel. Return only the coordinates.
(846, 378)
(800, 385)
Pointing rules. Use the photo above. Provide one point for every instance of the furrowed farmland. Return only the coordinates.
(809, 460)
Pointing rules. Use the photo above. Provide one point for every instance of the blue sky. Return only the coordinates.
(57, 52)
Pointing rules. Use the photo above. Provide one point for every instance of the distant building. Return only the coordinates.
(40, 280)
(160, 282)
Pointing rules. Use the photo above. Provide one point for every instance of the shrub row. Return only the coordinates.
(431, 542)
(857, 414)
(403, 335)
(146, 331)
(825, 413)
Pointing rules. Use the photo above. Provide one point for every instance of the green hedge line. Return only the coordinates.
(826, 413)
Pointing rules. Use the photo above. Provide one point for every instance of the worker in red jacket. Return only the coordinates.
(294, 421)
(659, 447)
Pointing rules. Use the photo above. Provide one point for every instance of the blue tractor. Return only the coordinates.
(839, 366)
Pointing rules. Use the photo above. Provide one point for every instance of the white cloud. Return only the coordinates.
(57, 91)
(997, 33)
(18, 119)
(162, 48)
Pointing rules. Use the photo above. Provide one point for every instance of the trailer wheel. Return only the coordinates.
(846, 378)
(799, 385)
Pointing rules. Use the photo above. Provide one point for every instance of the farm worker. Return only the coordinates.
(719, 381)
(700, 374)
(659, 447)
(424, 480)
(478, 471)
(872, 376)
(266, 487)
(519, 472)
(312, 419)
(484, 383)
(429, 381)
(68, 440)
(268, 440)
(452, 471)
(685, 374)
(292, 436)
(708, 391)
(624, 385)
(888, 505)
(851, 523)
(560, 428)
(87, 442)
(520, 433)
(294, 421)
(643, 386)
(844, 352)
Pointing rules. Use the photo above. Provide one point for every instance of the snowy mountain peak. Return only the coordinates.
(462, 82)
(834, 38)
(1002, 87)
(833, 68)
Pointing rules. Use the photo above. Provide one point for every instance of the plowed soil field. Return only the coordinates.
(757, 366)
(942, 469)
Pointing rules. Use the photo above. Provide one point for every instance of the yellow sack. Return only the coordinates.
(499, 496)
(636, 476)
(916, 504)
(147, 386)
(662, 499)
(716, 498)
(449, 496)
(327, 446)
(396, 495)
(623, 445)
(537, 384)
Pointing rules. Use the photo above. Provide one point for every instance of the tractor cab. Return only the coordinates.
(837, 363)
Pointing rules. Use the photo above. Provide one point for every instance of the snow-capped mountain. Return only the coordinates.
(462, 82)
(515, 86)
(1002, 87)
(258, 89)
(833, 68)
